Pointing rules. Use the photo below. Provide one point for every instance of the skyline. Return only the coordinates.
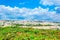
(47, 10)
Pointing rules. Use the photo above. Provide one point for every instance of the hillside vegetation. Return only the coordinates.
(19, 33)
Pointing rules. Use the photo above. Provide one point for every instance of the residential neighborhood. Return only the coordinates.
(33, 24)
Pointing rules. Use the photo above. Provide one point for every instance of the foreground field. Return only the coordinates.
(19, 33)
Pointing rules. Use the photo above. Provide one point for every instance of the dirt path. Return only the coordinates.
(44, 27)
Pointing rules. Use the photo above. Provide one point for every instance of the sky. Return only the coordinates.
(46, 10)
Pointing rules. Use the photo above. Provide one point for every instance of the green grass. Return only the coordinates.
(19, 33)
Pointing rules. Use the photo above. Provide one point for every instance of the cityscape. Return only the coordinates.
(25, 23)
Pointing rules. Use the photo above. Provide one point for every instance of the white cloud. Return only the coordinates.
(16, 13)
(50, 2)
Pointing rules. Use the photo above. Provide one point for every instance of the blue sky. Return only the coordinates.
(47, 10)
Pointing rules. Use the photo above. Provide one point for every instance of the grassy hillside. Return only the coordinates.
(18, 33)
